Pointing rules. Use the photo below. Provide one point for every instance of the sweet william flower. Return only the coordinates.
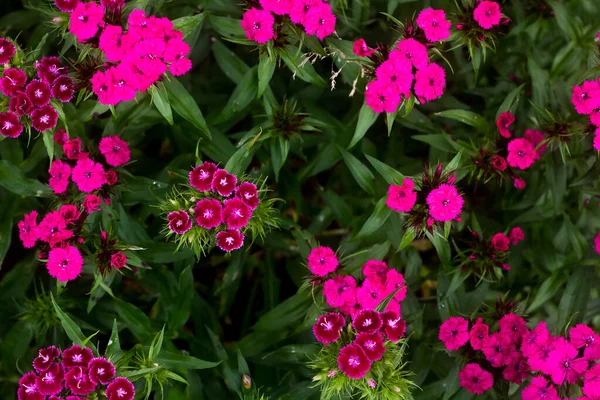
(434, 24)
(72, 149)
(322, 261)
(236, 214)
(248, 193)
(412, 51)
(393, 326)
(279, 7)
(514, 326)
(376, 271)
(69, 212)
(10, 126)
(536, 137)
(209, 213)
(20, 104)
(45, 357)
(7, 50)
(13, 79)
(63, 88)
(258, 25)
(44, 118)
(49, 382)
(361, 49)
(381, 97)
(101, 371)
(516, 235)
(28, 389)
(339, 290)
(487, 14)
(201, 177)
(223, 182)
(88, 175)
(521, 153)
(500, 242)
(402, 198)
(504, 121)
(327, 328)
(454, 333)
(118, 260)
(300, 8)
(92, 203)
(371, 294)
(353, 361)
(582, 336)
(120, 389)
(396, 73)
(499, 163)
(445, 203)
(539, 389)
(64, 264)
(111, 177)
(319, 21)
(586, 98)
(519, 183)
(367, 321)
(372, 344)
(85, 20)
(564, 364)
(499, 349)
(78, 381)
(59, 176)
(179, 222)
(66, 5)
(115, 150)
(474, 379)
(479, 332)
(596, 142)
(53, 228)
(229, 240)
(76, 356)
(430, 82)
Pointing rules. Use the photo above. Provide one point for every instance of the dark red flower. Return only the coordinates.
(63, 88)
(236, 214)
(60, 137)
(209, 213)
(248, 193)
(223, 182)
(500, 242)
(13, 79)
(120, 389)
(20, 104)
(49, 68)
(353, 361)
(92, 203)
(111, 177)
(499, 163)
(118, 260)
(372, 344)
(78, 381)
(66, 5)
(45, 358)
(230, 239)
(38, 92)
(327, 328)
(69, 213)
(28, 389)
(76, 356)
(179, 221)
(367, 321)
(49, 382)
(72, 149)
(10, 126)
(101, 371)
(7, 50)
(201, 177)
(393, 326)
(44, 118)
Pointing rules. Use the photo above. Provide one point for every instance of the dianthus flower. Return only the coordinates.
(498, 349)
(372, 344)
(434, 24)
(45, 358)
(402, 198)
(381, 97)
(230, 239)
(413, 51)
(564, 364)
(236, 214)
(44, 118)
(479, 332)
(582, 336)
(596, 142)
(201, 177)
(393, 326)
(179, 221)
(66, 5)
(445, 203)
(430, 82)
(279, 7)
(101, 371)
(78, 381)
(322, 261)
(591, 382)
(319, 21)
(53, 228)
(367, 321)
(72, 149)
(514, 326)
(248, 193)
(223, 182)
(339, 290)
(327, 328)
(85, 20)
(519, 183)
(353, 361)
(209, 213)
(500, 242)
(370, 294)
(13, 79)
(499, 163)
(88, 175)
(521, 153)
(597, 243)
(49, 382)
(396, 73)
(258, 25)
(59, 176)
(540, 389)
(20, 104)
(120, 389)
(487, 14)
(76, 356)
(115, 150)
(38, 92)
(118, 260)
(359, 47)
(516, 235)
(7, 50)
(536, 137)
(10, 126)
(63, 88)
(65, 264)
(376, 271)
(504, 121)
(474, 379)
(586, 98)
(92, 203)
(454, 333)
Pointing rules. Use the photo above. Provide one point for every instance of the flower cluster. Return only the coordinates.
(517, 353)
(315, 16)
(586, 100)
(136, 58)
(437, 202)
(29, 97)
(60, 231)
(72, 374)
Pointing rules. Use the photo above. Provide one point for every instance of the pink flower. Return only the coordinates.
(499, 349)
(13, 79)
(370, 294)
(322, 261)
(66, 5)
(503, 122)
(445, 203)
(223, 182)
(230, 239)
(339, 290)
(114, 44)
(258, 25)
(564, 364)
(353, 361)
(539, 389)
(479, 332)
(44, 118)
(597, 243)
(72, 149)
(517, 371)
(596, 142)
(413, 51)
(516, 235)
(536, 137)
(396, 74)
(372, 344)
(53, 228)
(487, 14)
(474, 379)
(327, 328)
(7, 50)
(10, 126)
(381, 97)
(78, 381)
(28, 389)
(376, 271)
(59, 176)
(248, 193)
(521, 154)
(69, 212)
(45, 357)
(236, 214)
(118, 260)
(279, 7)
(49, 382)
(49, 68)
(76, 356)
(434, 24)
(367, 321)
(430, 82)
(514, 326)
(361, 49)
(519, 183)
(65, 264)
(88, 175)
(395, 283)
(402, 198)
(85, 20)
(120, 389)
(179, 222)
(101, 371)
(393, 326)
(63, 88)
(586, 98)
(20, 104)
(300, 8)
(115, 150)
(201, 177)
(180, 67)
(111, 177)
(319, 21)
(113, 5)
(582, 336)
(209, 213)
(454, 333)
(591, 382)
(92, 203)
(500, 242)
(499, 162)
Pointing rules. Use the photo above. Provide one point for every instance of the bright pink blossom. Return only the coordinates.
(519, 183)
(499, 162)
(44, 118)
(279, 7)
(500, 242)
(402, 198)
(65, 264)
(258, 25)
(434, 24)
(230, 239)
(49, 382)
(7, 50)
(201, 177)
(53, 228)
(430, 82)
(179, 221)
(248, 193)
(78, 381)
(371, 294)
(209, 213)
(66, 5)
(45, 357)
(85, 20)
(327, 328)
(539, 389)
(236, 214)
(322, 261)
(115, 150)
(319, 21)
(13, 79)
(372, 344)
(413, 51)
(300, 8)
(582, 336)
(88, 175)
(504, 121)
(92, 203)
(59, 176)
(474, 379)
(367, 321)
(72, 149)
(479, 332)
(499, 349)
(353, 361)
(76, 356)
(69, 212)
(564, 364)
(445, 203)
(376, 271)
(396, 73)
(63, 88)
(20, 104)
(223, 182)
(454, 333)
(10, 126)
(521, 153)
(339, 290)
(381, 97)
(514, 326)
(596, 142)
(101, 371)
(487, 14)
(536, 137)
(118, 260)
(360, 47)
(393, 326)
(586, 98)
(28, 389)
(120, 389)
(516, 235)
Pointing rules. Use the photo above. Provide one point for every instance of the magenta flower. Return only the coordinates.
(514, 326)
(393, 326)
(367, 321)
(499, 163)
(7, 50)
(516, 235)
(434, 24)
(230, 239)
(430, 82)
(201, 177)
(413, 51)
(115, 150)
(28, 389)
(279, 7)
(564, 364)
(38, 92)
(519, 183)
(539, 389)
(85, 20)
(236, 214)
(10, 126)
(376, 271)
(372, 344)
(101, 371)
(53, 228)
(248, 193)
(322, 261)
(402, 198)
(223, 182)
(353, 361)
(521, 154)
(49, 68)
(114, 43)
(78, 381)
(319, 21)
(118, 260)
(13, 79)
(28, 229)
(111, 177)
(360, 47)
(394, 282)
(487, 14)
(339, 290)
(209, 213)
(63, 88)
(59, 176)
(381, 97)
(65, 263)
(66, 5)
(258, 25)
(72, 149)
(179, 222)
(499, 349)
(45, 357)
(445, 203)
(120, 389)
(474, 379)
(396, 73)
(69, 212)
(20, 104)
(500, 242)
(371, 293)
(536, 137)
(49, 382)
(454, 333)
(591, 382)
(582, 336)
(88, 175)
(300, 8)
(76, 356)
(92, 203)
(477, 335)
(504, 121)
(327, 328)
(44, 118)
(586, 98)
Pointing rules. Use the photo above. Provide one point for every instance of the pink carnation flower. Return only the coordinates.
(353, 361)
(53, 228)
(201, 177)
(85, 20)
(120, 389)
(479, 332)
(434, 24)
(454, 333)
(230, 239)
(76, 356)
(38, 92)
(115, 150)
(49, 382)
(499, 349)
(258, 25)
(372, 344)
(474, 379)
(50, 68)
(322, 261)
(209, 213)
(586, 98)
(393, 326)
(519, 183)
(371, 293)
(430, 82)
(44, 118)
(20, 104)
(499, 163)
(236, 214)
(396, 73)
(516, 235)
(279, 7)
(65, 264)
(381, 97)
(72, 149)
(223, 182)
(59, 176)
(360, 47)
(92, 203)
(327, 328)
(118, 260)
(504, 121)
(248, 193)
(78, 382)
(367, 321)
(66, 5)
(539, 389)
(88, 175)
(45, 358)
(339, 290)
(445, 203)
(7, 50)
(487, 14)
(500, 242)
(12, 80)
(582, 336)
(402, 198)
(28, 389)
(10, 126)
(63, 88)
(514, 326)
(413, 51)
(179, 222)
(536, 137)
(101, 371)
(563, 363)
(521, 153)
(320, 21)
(300, 8)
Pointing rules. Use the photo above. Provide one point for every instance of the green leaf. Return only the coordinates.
(71, 328)
(134, 318)
(440, 141)
(466, 117)
(174, 360)
(14, 181)
(366, 118)
(232, 66)
(242, 96)
(391, 175)
(301, 68)
(407, 238)
(160, 97)
(189, 24)
(546, 291)
(574, 300)
(376, 220)
(156, 345)
(49, 144)
(508, 102)
(266, 67)
(363, 176)
(184, 104)
(114, 344)
(280, 148)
